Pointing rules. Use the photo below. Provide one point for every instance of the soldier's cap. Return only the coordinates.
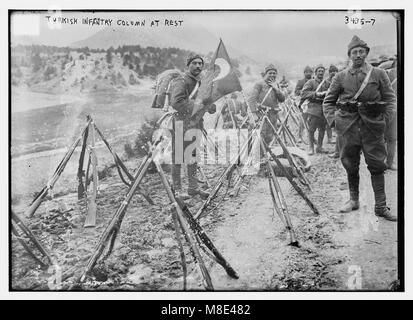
(357, 42)
(374, 62)
(192, 57)
(387, 64)
(308, 68)
(384, 57)
(319, 66)
(332, 68)
(269, 67)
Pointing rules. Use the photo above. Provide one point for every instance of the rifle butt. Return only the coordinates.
(36, 203)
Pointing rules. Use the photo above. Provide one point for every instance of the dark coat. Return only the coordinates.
(181, 89)
(260, 91)
(299, 86)
(315, 104)
(343, 88)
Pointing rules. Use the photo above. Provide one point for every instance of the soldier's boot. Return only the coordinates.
(300, 132)
(391, 150)
(380, 207)
(176, 182)
(310, 143)
(176, 176)
(336, 153)
(310, 147)
(329, 135)
(353, 186)
(320, 141)
(193, 189)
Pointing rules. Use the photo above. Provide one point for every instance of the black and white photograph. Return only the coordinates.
(254, 150)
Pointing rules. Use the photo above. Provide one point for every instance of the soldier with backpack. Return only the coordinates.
(183, 92)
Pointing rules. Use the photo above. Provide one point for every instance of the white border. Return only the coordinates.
(187, 4)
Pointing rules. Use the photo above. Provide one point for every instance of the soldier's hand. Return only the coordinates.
(212, 108)
(273, 84)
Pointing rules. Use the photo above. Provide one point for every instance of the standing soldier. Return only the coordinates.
(332, 71)
(308, 74)
(391, 128)
(183, 94)
(365, 101)
(315, 90)
(266, 95)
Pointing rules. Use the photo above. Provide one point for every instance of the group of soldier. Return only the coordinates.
(359, 103)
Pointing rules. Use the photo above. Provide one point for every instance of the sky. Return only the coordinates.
(287, 36)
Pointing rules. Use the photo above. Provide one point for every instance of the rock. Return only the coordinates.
(168, 242)
(139, 273)
(103, 186)
(62, 205)
(155, 253)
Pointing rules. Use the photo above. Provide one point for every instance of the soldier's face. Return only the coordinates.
(358, 56)
(271, 75)
(332, 74)
(320, 73)
(308, 74)
(195, 67)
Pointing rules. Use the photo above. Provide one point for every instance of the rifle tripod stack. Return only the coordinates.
(295, 114)
(182, 218)
(279, 203)
(183, 222)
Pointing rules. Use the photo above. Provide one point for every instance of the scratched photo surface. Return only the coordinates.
(97, 206)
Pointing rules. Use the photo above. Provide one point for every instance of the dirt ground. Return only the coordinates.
(352, 251)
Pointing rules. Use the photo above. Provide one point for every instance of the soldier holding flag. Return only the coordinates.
(191, 99)
(183, 94)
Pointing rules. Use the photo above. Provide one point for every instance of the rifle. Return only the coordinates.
(49, 186)
(80, 172)
(225, 175)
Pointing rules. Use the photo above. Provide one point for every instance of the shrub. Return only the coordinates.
(144, 136)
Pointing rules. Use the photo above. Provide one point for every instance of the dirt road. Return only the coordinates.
(337, 251)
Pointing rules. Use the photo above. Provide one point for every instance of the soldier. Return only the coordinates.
(183, 94)
(266, 95)
(233, 111)
(391, 128)
(332, 71)
(314, 90)
(308, 74)
(365, 101)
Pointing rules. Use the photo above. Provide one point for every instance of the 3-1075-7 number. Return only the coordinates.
(227, 309)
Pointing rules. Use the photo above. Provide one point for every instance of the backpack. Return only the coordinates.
(163, 85)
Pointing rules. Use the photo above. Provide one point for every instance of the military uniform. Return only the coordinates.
(299, 86)
(183, 105)
(391, 129)
(360, 127)
(272, 101)
(297, 91)
(315, 117)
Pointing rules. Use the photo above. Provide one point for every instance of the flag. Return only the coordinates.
(219, 79)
